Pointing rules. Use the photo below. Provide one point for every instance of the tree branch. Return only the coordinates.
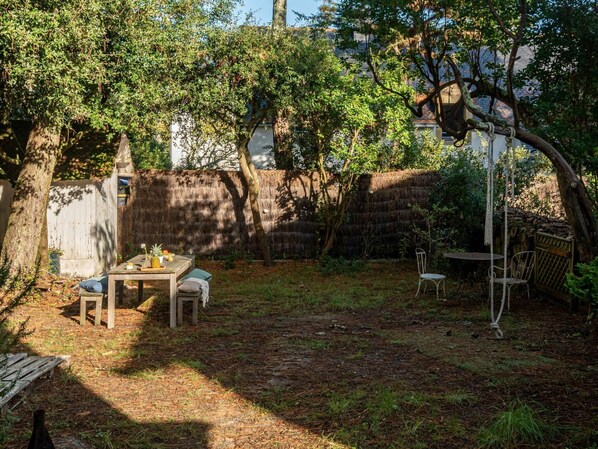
(499, 20)
(469, 103)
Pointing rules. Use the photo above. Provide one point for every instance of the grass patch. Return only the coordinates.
(460, 398)
(382, 403)
(349, 359)
(149, 374)
(223, 332)
(341, 403)
(518, 426)
(197, 365)
(330, 266)
(7, 422)
(309, 343)
(355, 298)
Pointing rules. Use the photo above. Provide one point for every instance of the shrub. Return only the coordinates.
(426, 151)
(13, 292)
(330, 266)
(461, 192)
(436, 234)
(585, 286)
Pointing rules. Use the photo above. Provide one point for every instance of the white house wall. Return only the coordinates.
(260, 148)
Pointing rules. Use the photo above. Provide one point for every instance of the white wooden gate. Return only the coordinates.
(82, 217)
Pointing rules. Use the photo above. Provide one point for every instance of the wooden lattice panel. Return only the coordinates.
(554, 259)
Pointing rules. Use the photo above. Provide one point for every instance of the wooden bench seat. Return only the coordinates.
(19, 371)
(97, 298)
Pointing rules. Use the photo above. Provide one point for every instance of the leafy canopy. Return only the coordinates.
(107, 63)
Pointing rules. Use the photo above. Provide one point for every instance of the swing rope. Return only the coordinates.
(509, 175)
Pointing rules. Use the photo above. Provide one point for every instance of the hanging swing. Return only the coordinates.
(509, 176)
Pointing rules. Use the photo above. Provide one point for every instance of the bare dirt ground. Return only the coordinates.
(285, 357)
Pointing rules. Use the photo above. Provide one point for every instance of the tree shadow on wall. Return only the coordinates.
(189, 212)
(207, 213)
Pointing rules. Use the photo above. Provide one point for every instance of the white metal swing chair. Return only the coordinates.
(489, 232)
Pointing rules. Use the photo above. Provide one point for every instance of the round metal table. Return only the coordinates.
(473, 267)
(473, 257)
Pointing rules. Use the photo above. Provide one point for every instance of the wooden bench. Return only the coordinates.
(94, 297)
(183, 296)
(19, 371)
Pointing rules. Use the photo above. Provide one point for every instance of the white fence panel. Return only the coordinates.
(82, 218)
(82, 223)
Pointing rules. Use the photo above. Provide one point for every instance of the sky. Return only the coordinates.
(263, 9)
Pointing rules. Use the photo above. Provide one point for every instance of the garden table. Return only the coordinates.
(469, 266)
(170, 272)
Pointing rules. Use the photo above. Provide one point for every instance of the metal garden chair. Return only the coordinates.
(425, 277)
(518, 272)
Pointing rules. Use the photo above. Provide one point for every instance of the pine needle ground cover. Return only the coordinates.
(293, 357)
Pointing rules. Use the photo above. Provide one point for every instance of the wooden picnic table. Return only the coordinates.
(171, 272)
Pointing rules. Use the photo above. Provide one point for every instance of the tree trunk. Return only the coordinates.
(574, 197)
(249, 173)
(42, 250)
(281, 127)
(279, 14)
(30, 201)
(283, 140)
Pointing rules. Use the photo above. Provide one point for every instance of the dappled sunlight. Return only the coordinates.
(289, 357)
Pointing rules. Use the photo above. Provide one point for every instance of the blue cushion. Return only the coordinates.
(98, 284)
(198, 274)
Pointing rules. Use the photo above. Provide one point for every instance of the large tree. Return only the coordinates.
(534, 59)
(346, 127)
(235, 86)
(110, 64)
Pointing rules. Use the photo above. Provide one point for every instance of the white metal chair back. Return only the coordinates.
(518, 273)
(522, 265)
(420, 256)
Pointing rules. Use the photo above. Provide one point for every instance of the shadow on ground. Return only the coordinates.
(281, 360)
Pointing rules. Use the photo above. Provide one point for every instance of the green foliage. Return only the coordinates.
(330, 266)
(243, 75)
(149, 152)
(563, 68)
(230, 259)
(14, 290)
(519, 426)
(156, 250)
(437, 234)
(529, 168)
(585, 286)
(86, 153)
(461, 191)
(346, 126)
(113, 66)
(527, 64)
(7, 421)
(425, 152)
